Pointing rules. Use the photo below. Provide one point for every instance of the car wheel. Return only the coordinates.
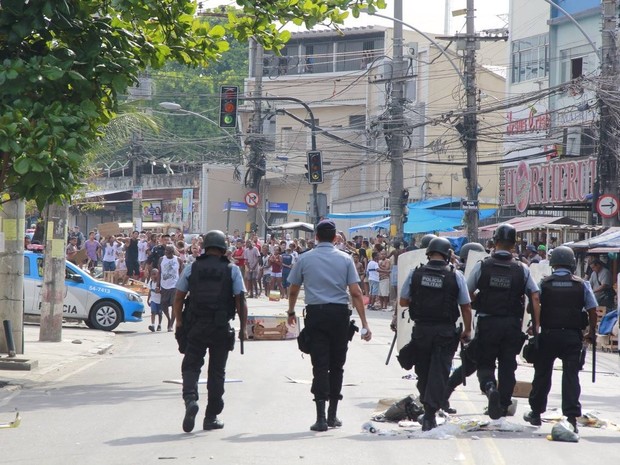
(89, 323)
(105, 315)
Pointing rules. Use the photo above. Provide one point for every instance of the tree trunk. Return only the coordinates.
(53, 294)
(12, 272)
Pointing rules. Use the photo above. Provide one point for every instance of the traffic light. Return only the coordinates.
(315, 167)
(228, 106)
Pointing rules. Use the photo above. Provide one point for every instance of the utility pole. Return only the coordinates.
(471, 124)
(136, 196)
(396, 128)
(256, 165)
(607, 163)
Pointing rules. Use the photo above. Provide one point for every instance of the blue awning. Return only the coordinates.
(358, 215)
(423, 220)
(383, 223)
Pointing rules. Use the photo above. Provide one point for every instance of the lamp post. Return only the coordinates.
(175, 107)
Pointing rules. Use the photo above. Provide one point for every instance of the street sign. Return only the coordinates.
(607, 206)
(251, 199)
(469, 204)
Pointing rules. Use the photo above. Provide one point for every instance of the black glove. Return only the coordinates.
(181, 336)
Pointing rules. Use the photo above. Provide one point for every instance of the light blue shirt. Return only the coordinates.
(462, 299)
(472, 280)
(590, 299)
(238, 285)
(326, 273)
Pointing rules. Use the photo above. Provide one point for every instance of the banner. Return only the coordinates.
(151, 210)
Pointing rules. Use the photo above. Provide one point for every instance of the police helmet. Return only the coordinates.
(464, 253)
(563, 256)
(215, 238)
(505, 232)
(439, 245)
(426, 239)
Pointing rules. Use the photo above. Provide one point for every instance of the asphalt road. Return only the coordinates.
(116, 409)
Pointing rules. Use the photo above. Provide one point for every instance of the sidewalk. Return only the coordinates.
(78, 342)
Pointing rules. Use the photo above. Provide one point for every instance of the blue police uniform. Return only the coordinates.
(207, 326)
(326, 273)
(499, 335)
(561, 338)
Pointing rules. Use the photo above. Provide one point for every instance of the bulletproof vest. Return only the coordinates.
(561, 302)
(211, 287)
(502, 287)
(434, 293)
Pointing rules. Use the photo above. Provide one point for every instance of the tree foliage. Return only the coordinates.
(64, 64)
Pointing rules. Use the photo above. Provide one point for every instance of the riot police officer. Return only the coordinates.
(216, 291)
(561, 319)
(464, 252)
(426, 239)
(434, 292)
(502, 283)
(327, 273)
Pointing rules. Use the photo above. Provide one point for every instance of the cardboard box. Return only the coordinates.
(522, 389)
(109, 229)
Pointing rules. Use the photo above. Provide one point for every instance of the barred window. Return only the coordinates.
(530, 58)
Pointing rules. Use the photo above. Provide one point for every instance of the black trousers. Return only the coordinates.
(328, 329)
(501, 339)
(202, 336)
(435, 346)
(566, 345)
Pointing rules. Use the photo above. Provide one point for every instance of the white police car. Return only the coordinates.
(100, 304)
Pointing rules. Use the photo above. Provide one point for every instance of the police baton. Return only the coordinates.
(463, 356)
(387, 360)
(594, 358)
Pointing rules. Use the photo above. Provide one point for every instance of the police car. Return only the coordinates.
(100, 304)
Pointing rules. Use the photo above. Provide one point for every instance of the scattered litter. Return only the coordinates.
(563, 432)
(305, 381)
(76, 341)
(504, 425)
(12, 424)
(410, 376)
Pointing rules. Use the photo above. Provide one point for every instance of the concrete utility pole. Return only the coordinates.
(396, 128)
(53, 291)
(471, 124)
(256, 164)
(136, 196)
(12, 273)
(608, 163)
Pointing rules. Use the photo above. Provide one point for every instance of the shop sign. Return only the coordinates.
(567, 182)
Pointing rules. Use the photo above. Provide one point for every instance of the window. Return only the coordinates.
(318, 58)
(530, 58)
(357, 122)
(357, 54)
(576, 62)
(26, 266)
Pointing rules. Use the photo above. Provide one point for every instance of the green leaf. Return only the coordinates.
(21, 165)
(52, 73)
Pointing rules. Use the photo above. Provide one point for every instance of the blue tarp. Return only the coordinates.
(429, 220)
(358, 215)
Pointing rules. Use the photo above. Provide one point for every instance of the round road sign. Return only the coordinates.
(251, 199)
(607, 206)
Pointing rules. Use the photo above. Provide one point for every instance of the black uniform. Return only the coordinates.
(562, 302)
(500, 307)
(433, 306)
(207, 326)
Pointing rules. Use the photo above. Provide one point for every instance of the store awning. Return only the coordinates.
(436, 220)
(89, 195)
(383, 223)
(610, 239)
(294, 225)
(528, 223)
(358, 215)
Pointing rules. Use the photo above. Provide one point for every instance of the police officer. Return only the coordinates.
(434, 292)
(464, 252)
(502, 283)
(326, 274)
(426, 239)
(216, 291)
(561, 319)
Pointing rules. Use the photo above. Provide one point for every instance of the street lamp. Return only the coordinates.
(172, 106)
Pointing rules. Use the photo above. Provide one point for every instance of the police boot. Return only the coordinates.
(211, 422)
(321, 421)
(573, 422)
(191, 409)
(429, 422)
(495, 410)
(332, 419)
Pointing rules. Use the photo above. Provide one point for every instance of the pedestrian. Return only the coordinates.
(153, 300)
(215, 286)
(251, 254)
(433, 293)
(275, 259)
(502, 282)
(93, 252)
(71, 250)
(110, 251)
(170, 268)
(265, 265)
(559, 328)
(372, 271)
(385, 269)
(287, 265)
(326, 274)
(131, 256)
(601, 283)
